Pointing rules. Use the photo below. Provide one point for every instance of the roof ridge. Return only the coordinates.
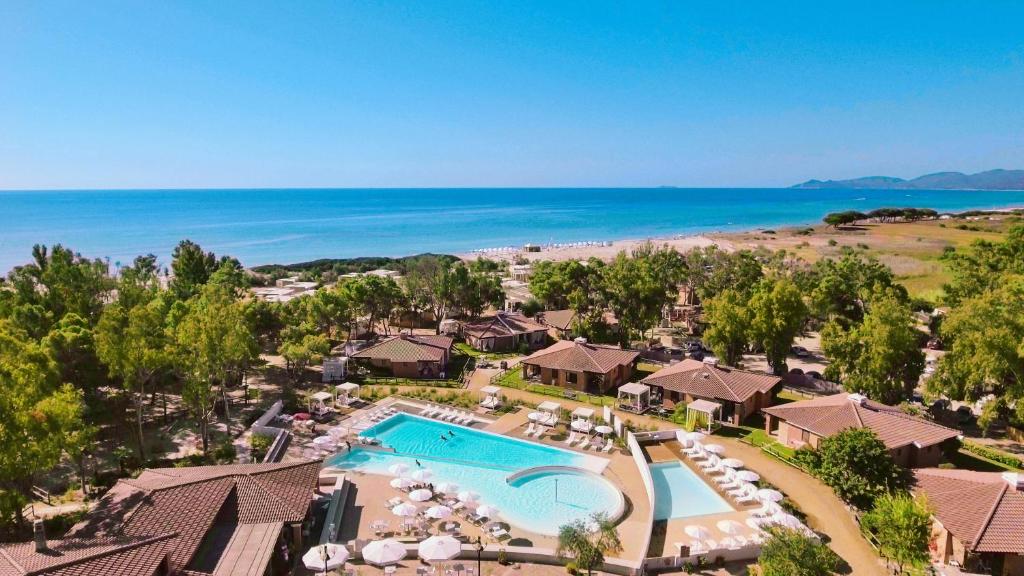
(9, 558)
(586, 350)
(856, 412)
(992, 511)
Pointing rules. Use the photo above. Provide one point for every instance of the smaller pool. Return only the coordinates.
(679, 493)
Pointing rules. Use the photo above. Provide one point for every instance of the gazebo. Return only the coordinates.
(701, 409)
(335, 369)
(634, 397)
(345, 393)
(552, 408)
(318, 403)
(580, 421)
(492, 397)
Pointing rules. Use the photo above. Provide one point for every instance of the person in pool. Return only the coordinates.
(444, 438)
(450, 433)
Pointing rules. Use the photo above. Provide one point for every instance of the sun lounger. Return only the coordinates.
(499, 534)
(747, 499)
(571, 439)
(529, 430)
(467, 418)
(608, 446)
(586, 442)
(539, 432)
(706, 465)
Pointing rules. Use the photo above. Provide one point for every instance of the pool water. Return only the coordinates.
(482, 461)
(679, 493)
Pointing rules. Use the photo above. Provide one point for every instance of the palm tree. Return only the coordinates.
(588, 541)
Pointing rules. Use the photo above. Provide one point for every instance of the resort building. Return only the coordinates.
(285, 289)
(521, 272)
(409, 356)
(561, 323)
(978, 519)
(215, 520)
(913, 442)
(738, 393)
(517, 293)
(581, 366)
(505, 332)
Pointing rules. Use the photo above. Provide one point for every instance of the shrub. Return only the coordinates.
(791, 553)
(994, 455)
(857, 465)
(832, 242)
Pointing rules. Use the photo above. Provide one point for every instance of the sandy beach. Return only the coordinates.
(602, 250)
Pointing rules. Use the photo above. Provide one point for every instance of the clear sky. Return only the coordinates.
(433, 93)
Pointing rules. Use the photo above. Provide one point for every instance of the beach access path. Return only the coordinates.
(826, 513)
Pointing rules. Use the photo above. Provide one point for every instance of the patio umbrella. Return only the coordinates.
(439, 512)
(728, 543)
(405, 509)
(488, 511)
(714, 448)
(382, 552)
(325, 557)
(337, 432)
(697, 531)
(747, 476)
(323, 441)
(468, 496)
(534, 416)
(447, 488)
(693, 436)
(730, 527)
(398, 469)
(439, 548)
(581, 425)
(422, 474)
(603, 429)
(787, 521)
(421, 495)
(732, 463)
(401, 483)
(769, 495)
(757, 523)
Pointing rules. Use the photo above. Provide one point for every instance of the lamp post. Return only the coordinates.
(556, 489)
(479, 552)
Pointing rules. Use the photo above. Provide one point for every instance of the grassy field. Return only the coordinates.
(912, 249)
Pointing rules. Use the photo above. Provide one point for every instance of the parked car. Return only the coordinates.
(814, 374)
(934, 344)
(964, 415)
(917, 398)
(796, 371)
(799, 351)
(694, 346)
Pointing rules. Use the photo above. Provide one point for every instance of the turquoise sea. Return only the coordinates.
(294, 225)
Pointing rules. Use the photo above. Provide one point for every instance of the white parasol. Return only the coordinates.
(382, 552)
(697, 531)
(398, 469)
(447, 488)
(421, 495)
(714, 448)
(747, 476)
(401, 483)
(732, 463)
(439, 512)
(405, 510)
(422, 474)
(769, 495)
(325, 557)
(439, 548)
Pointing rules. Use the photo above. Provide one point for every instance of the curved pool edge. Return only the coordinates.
(620, 506)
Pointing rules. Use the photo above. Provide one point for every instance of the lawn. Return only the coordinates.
(965, 460)
(514, 379)
(467, 350)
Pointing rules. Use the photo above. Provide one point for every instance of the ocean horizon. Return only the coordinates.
(284, 226)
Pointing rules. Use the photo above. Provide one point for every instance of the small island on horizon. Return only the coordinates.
(998, 179)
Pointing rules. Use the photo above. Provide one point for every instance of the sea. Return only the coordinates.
(267, 226)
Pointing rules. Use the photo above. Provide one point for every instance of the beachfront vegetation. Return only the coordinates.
(901, 526)
(793, 553)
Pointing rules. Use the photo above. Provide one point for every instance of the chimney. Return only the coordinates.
(39, 535)
(710, 361)
(1015, 480)
(858, 398)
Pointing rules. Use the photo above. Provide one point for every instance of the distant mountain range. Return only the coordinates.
(989, 180)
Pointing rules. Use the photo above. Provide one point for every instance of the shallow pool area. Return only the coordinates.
(569, 486)
(680, 493)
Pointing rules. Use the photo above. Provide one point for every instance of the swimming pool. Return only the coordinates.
(679, 493)
(539, 501)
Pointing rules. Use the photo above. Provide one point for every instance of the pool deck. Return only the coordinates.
(370, 494)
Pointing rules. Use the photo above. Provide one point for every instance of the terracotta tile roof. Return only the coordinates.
(87, 557)
(512, 324)
(581, 357)
(981, 509)
(699, 379)
(408, 348)
(563, 319)
(188, 501)
(829, 414)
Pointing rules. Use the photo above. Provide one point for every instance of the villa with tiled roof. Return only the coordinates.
(913, 441)
(739, 393)
(505, 332)
(579, 365)
(410, 356)
(978, 518)
(215, 520)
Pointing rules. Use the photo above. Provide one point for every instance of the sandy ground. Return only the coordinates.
(601, 250)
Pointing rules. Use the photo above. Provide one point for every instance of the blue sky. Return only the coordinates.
(353, 94)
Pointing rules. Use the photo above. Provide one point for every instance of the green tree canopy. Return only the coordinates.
(792, 553)
(728, 320)
(858, 466)
(372, 297)
(982, 267)
(902, 526)
(879, 357)
(587, 541)
(777, 314)
(841, 288)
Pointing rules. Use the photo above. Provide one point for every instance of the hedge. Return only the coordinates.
(995, 455)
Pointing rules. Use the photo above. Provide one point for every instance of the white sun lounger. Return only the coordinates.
(608, 446)
(529, 430)
(540, 431)
(586, 442)
(571, 439)
(425, 411)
